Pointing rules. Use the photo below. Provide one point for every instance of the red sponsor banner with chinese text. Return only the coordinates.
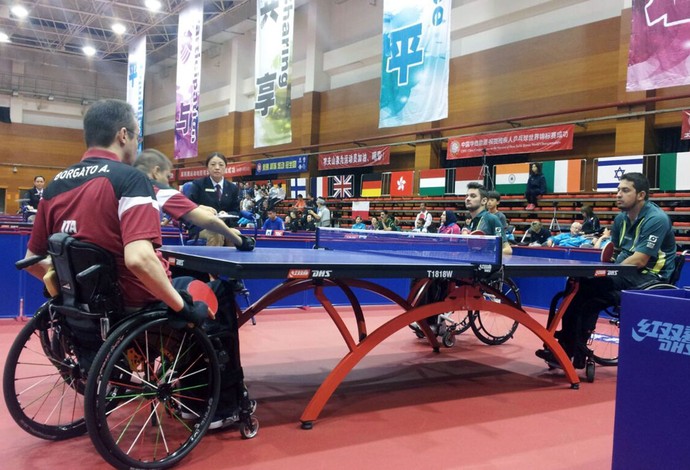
(539, 139)
(685, 125)
(355, 158)
(233, 169)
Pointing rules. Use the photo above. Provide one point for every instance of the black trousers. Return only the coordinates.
(532, 196)
(595, 294)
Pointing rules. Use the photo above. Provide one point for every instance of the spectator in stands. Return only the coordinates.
(32, 197)
(374, 224)
(482, 220)
(276, 194)
(572, 239)
(602, 240)
(309, 224)
(425, 216)
(387, 222)
(492, 201)
(537, 235)
(358, 225)
(642, 235)
(273, 222)
(590, 222)
(215, 191)
(536, 186)
(300, 203)
(247, 207)
(419, 226)
(322, 216)
(449, 223)
(291, 225)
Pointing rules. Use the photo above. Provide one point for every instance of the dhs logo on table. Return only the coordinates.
(309, 273)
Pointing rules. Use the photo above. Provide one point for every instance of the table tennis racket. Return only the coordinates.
(200, 291)
(476, 232)
(607, 253)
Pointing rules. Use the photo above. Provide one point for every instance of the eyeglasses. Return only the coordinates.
(132, 134)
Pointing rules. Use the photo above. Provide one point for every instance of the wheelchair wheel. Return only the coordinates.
(492, 328)
(152, 393)
(42, 382)
(605, 339)
(464, 321)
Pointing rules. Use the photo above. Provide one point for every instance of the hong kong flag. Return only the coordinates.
(402, 183)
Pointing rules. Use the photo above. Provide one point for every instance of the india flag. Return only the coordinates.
(563, 176)
(610, 170)
(432, 182)
(467, 174)
(674, 171)
(512, 178)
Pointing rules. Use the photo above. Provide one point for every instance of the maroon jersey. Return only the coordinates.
(171, 201)
(103, 201)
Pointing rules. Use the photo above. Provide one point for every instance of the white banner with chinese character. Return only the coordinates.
(188, 80)
(136, 69)
(415, 62)
(273, 72)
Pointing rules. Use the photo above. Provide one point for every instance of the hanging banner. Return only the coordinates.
(273, 72)
(415, 62)
(355, 158)
(232, 169)
(136, 70)
(658, 44)
(188, 80)
(294, 164)
(542, 139)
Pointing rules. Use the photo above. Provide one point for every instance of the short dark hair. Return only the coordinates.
(482, 189)
(216, 154)
(493, 195)
(639, 182)
(587, 211)
(149, 159)
(104, 119)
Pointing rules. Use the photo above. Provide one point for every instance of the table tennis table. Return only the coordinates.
(351, 259)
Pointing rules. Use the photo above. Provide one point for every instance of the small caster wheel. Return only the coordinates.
(589, 371)
(249, 430)
(449, 339)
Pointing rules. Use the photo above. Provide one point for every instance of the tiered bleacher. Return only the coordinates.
(557, 211)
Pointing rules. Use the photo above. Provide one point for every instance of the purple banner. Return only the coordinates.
(658, 44)
(188, 80)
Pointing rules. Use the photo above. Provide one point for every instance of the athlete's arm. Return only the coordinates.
(141, 259)
(204, 219)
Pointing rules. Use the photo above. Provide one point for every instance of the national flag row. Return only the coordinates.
(562, 176)
(397, 183)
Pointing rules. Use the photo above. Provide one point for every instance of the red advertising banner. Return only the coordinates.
(541, 139)
(685, 125)
(233, 169)
(355, 158)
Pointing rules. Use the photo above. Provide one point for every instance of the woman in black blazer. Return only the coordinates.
(218, 193)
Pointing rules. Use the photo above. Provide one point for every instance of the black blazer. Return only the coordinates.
(204, 194)
(33, 198)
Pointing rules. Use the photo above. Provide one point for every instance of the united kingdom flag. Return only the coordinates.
(341, 186)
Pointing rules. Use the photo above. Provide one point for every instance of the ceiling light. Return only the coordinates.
(19, 11)
(89, 51)
(15, 92)
(4, 37)
(119, 28)
(153, 5)
(51, 98)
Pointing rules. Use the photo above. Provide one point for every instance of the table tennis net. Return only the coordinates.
(474, 249)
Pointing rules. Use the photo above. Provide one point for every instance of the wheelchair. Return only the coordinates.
(144, 386)
(489, 327)
(602, 344)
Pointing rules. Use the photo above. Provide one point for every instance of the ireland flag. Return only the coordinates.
(674, 171)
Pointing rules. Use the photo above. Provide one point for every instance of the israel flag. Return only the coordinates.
(610, 170)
